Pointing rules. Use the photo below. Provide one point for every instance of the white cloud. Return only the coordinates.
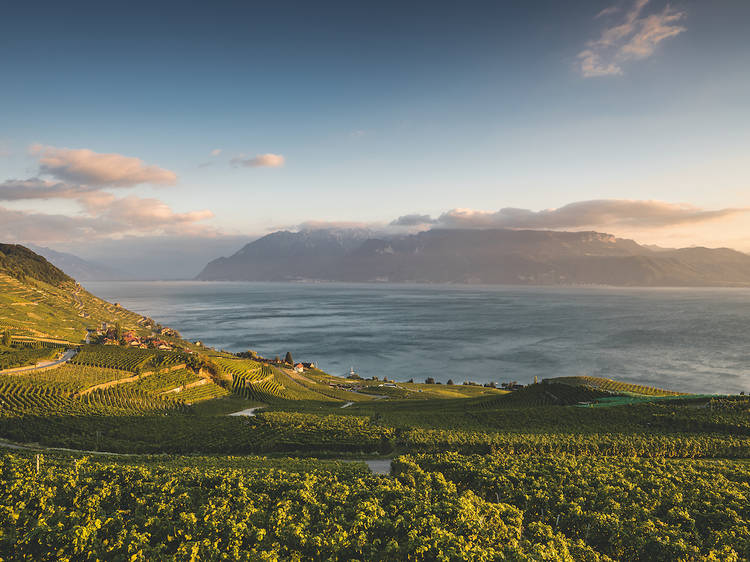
(84, 166)
(335, 225)
(259, 161)
(635, 37)
(605, 213)
(215, 152)
(413, 220)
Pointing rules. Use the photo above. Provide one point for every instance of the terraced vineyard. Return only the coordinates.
(248, 369)
(614, 386)
(33, 308)
(18, 399)
(207, 391)
(162, 382)
(261, 389)
(70, 377)
(127, 358)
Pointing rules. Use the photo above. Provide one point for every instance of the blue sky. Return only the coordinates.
(365, 112)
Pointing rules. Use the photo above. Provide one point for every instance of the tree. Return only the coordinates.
(6, 338)
(118, 331)
(288, 358)
(450, 382)
(429, 380)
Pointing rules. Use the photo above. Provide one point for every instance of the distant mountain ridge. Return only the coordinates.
(79, 268)
(525, 257)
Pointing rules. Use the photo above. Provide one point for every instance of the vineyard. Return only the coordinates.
(624, 508)
(126, 358)
(614, 386)
(108, 510)
(207, 391)
(164, 382)
(69, 377)
(19, 399)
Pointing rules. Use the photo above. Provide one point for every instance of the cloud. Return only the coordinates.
(335, 225)
(259, 161)
(607, 12)
(215, 152)
(36, 188)
(108, 217)
(412, 220)
(633, 38)
(84, 166)
(150, 214)
(607, 213)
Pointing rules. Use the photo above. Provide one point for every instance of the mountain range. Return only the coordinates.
(500, 256)
(79, 268)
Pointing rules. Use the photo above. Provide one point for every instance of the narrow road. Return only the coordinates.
(39, 448)
(250, 412)
(67, 356)
(347, 404)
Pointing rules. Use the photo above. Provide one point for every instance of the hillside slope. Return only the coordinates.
(524, 257)
(37, 299)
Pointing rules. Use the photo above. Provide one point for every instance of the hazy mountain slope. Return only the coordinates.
(478, 256)
(286, 256)
(38, 299)
(79, 268)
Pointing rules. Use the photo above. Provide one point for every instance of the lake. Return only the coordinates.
(691, 340)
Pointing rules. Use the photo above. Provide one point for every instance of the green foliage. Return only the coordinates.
(624, 508)
(288, 358)
(107, 510)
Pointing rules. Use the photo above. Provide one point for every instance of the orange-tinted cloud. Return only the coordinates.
(259, 161)
(84, 166)
(633, 38)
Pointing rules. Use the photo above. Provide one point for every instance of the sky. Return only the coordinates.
(198, 126)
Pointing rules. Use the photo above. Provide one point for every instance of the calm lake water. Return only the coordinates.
(693, 340)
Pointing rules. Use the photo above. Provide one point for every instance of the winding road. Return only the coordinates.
(67, 356)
